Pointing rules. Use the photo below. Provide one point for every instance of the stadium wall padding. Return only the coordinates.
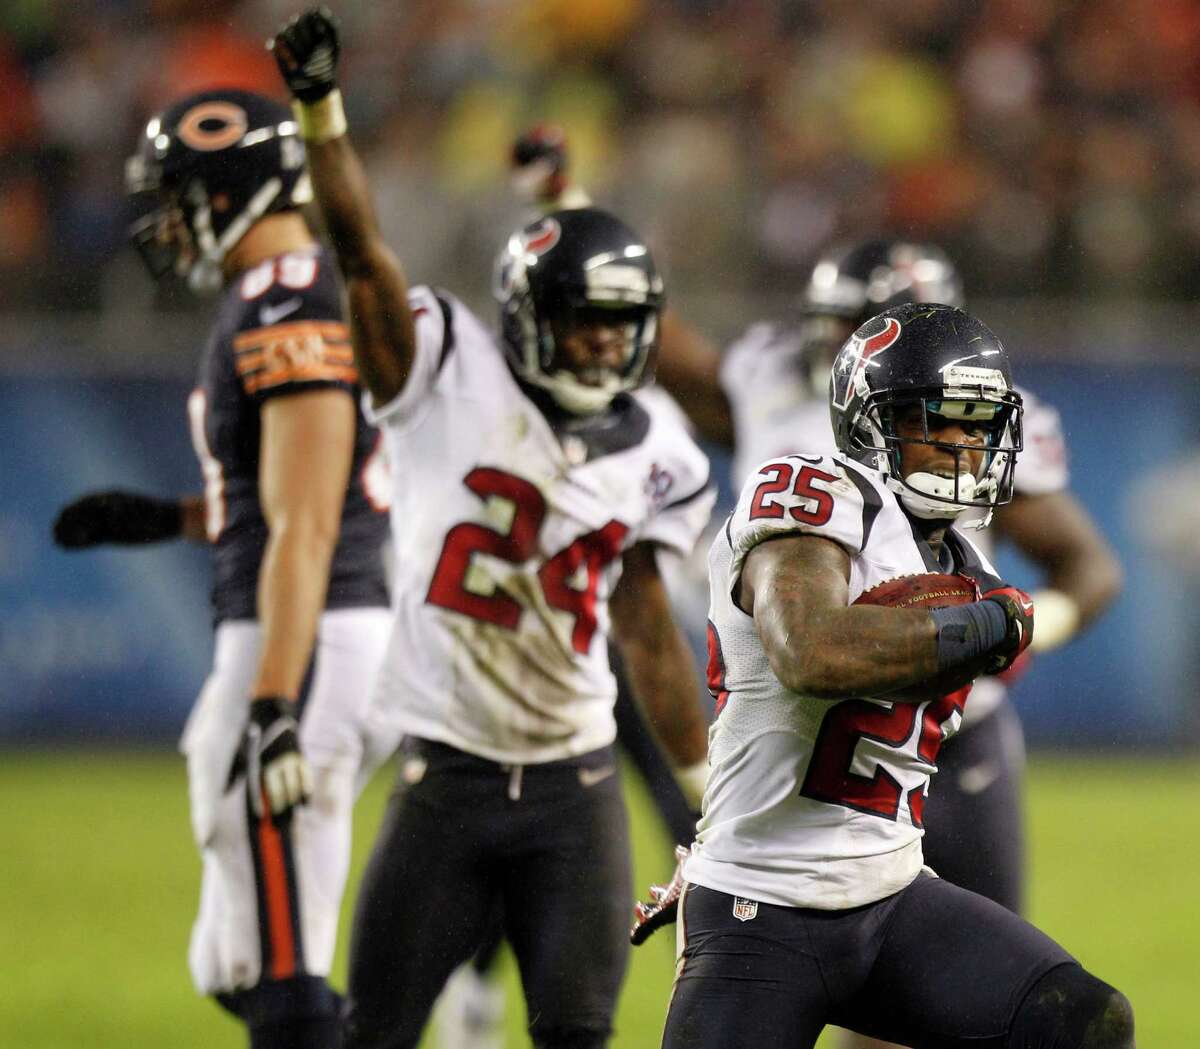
(112, 645)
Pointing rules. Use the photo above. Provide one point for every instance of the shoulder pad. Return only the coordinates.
(805, 494)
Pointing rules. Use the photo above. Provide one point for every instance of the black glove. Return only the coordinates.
(663, 906)
(117, 517)
(306, 50)
(277, 776)
(1018, 609)
(539, 165)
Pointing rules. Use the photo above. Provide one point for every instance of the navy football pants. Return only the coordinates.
(465, 840)
(933, 966)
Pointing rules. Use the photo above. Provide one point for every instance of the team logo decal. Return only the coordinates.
(542, 237)
(744, 910)
(213, 125)
(865, 344)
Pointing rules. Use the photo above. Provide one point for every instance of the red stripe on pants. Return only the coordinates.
(279, 907)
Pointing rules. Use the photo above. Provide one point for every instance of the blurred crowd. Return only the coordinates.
(1052, 147)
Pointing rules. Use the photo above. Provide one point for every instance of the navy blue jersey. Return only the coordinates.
(279, 332)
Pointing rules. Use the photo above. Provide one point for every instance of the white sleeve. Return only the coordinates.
(432, 340)
(801, 495)
(1042, 463)
(684, 493)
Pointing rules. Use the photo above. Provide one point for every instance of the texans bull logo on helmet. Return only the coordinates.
(875, 336)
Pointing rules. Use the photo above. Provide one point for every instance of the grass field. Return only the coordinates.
(98, 883)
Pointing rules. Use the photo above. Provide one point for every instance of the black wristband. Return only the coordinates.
(156, 519)
(965, 632)
(266, 709)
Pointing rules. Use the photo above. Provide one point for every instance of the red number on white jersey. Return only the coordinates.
(454, 588)
(821, 501)
(829, 777)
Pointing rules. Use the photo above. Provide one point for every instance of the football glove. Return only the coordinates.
(117, 517)
(539, 164)
(1018, 610)
(306, 51)
(663, 906)
(277, 776)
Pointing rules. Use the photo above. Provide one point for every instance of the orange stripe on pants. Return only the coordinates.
(279, 910)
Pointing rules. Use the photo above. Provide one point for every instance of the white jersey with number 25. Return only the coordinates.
(815, 802)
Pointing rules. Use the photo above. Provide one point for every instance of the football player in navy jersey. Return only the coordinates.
(535, 487)
(295, 508)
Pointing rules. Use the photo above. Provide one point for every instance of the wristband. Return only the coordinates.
(692, 781)
(965, 632)
(1057, 619)
(323, 120)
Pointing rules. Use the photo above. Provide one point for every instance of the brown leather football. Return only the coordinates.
(928, 590)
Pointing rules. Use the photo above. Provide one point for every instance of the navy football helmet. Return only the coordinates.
(851, 283)
(948, 365)
(567, 269)
(205, 170)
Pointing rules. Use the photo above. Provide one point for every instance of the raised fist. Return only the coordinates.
(539, 164)
(306, 51)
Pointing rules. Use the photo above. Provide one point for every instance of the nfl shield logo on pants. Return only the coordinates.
(743, 909)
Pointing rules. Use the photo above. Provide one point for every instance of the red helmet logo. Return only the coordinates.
(543, 237)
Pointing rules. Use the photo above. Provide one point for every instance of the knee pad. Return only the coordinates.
(1069, 1008)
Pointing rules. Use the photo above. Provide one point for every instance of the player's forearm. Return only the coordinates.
(293, 581)
(1092, 581)
(343, 195)
(193, 526)
(689, 369)
(839, 653)
(663, 677)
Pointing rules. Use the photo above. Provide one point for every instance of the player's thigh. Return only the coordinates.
(952, 970)
(336, 727)
(743, 984)
(423, 907)
(567, 897)
(974, 833)
(216, 723)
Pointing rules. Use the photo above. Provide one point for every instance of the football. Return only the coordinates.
(928, 590)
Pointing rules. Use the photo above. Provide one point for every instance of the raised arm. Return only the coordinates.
(381, 321)
(660, 667)
(689, 369)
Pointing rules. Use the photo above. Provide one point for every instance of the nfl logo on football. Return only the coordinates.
(743, 909)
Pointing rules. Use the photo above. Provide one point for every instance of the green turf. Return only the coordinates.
(98, 882)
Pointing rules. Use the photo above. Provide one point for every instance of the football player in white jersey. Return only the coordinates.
(806, 901)
(532, 492)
